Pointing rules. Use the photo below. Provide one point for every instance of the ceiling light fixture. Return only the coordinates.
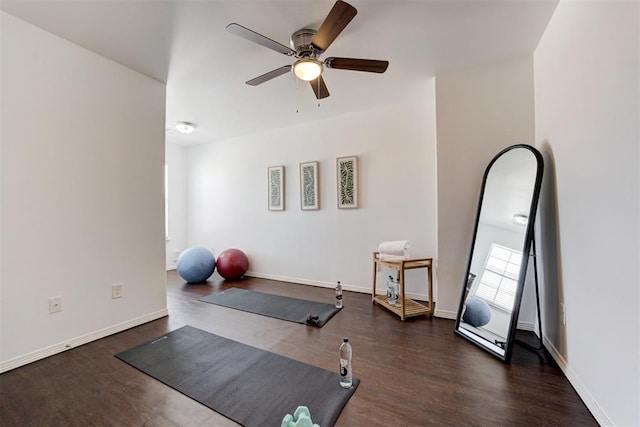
(307, 69)
(520, 219)
(185, 128)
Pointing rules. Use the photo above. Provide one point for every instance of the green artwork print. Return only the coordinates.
(347, 183)
(276, 189)
(308, 186)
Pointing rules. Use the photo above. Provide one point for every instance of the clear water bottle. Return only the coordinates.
(338, 295)
(390, 290)
(346, 375)
(396, 292)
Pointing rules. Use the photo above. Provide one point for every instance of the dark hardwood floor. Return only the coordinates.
(413, 373)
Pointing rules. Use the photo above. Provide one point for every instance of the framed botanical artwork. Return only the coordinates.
(276, 188)
(347, 170)
(309, 197)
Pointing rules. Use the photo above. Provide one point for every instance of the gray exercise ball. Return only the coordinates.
(477, 312)
(196, 265)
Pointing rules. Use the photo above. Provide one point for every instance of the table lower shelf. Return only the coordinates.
(411, 308)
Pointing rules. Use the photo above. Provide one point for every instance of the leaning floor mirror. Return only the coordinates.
(500, 248)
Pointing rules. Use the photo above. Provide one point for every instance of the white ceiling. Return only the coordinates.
(185, 44)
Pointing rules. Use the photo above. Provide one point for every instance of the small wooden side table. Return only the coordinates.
(407, 307)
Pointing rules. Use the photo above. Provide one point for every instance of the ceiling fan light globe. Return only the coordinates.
(307, 69)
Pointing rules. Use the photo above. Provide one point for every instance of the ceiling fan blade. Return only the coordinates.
(338, 18)
(252, 36)
(270, 75)
(369, 65)
(319, 87)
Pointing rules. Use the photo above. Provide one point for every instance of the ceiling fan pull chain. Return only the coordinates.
(297, 96)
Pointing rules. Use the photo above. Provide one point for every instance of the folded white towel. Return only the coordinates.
(392, 258)
(396, 247)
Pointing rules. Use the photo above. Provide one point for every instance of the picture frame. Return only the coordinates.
(275, 190)
(309, 196)
(347, 182)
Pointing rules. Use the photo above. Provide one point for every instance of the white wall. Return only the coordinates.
(176, 160)
(479, 112)
(396, 147)
(587, 82)
(82, 196)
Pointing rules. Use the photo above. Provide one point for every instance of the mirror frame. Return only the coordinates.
(528, 240)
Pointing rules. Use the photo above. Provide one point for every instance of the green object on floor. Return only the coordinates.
(300, 418)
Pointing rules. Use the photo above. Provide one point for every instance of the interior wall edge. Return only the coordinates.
(69, 344)
(574, 379)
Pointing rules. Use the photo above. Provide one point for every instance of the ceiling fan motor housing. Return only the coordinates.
(301, 42)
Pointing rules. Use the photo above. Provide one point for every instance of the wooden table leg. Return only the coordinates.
(430, 287)
(401, 291)
(375, 271)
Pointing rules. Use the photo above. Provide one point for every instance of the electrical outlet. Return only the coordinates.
(55, 304)
(563, 313)
(117, 290)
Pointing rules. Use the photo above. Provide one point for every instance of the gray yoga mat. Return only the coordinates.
(252, 387)
(280, 307)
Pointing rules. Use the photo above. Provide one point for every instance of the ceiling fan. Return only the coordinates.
(307, 46)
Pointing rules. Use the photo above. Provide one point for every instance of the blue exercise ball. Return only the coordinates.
(477, 312)
(196, 265)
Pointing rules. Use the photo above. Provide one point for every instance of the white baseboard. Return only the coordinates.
(584, 393)
(51, 350)
(446, 314)
(345, 286)
(526, 326)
